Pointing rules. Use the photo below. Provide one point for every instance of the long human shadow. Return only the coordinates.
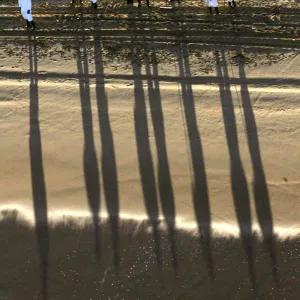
(199, 181)
(239, 186)
(144, 156)
(165, 186)
(90, 162)
(259, 184)
(37, 171)
(108, 158)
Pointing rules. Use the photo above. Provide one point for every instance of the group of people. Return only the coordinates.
(26, 5)
(210, 3)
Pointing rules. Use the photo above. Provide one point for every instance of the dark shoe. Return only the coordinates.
(210, 10)
(217, 10)
(94, 5)
(33, 25)
(27, 24)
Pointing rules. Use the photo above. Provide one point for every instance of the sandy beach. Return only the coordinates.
(151, 169)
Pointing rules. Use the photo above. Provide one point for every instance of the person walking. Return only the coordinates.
(25, 10)
(212, 3)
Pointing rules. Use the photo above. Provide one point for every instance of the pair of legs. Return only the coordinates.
(216, 9)
(94, 4)
(26, 14)
(232, 3)
(212, 4)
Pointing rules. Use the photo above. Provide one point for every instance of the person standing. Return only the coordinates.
(25, 10)
(212, 3)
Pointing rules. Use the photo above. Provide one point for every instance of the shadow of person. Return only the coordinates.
(239, 185)
(165, 187)
(108, 158)
(37, 170)
(259, 184)
(144, 154)
(199, 181)
(90, 163)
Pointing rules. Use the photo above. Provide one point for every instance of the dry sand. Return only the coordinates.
(194, 161)
(151, 130)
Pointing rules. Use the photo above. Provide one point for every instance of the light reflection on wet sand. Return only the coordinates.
(219, 229)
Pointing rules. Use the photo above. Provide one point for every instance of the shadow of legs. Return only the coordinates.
(164, 176)
(199, 184)
(90, 163)
(37, 171)
(108, 159)
(239, 184)
(259, 185)
(145, 156)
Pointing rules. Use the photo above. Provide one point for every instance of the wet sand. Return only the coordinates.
(137, 267)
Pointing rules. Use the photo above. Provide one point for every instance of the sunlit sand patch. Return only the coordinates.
(80, 218)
